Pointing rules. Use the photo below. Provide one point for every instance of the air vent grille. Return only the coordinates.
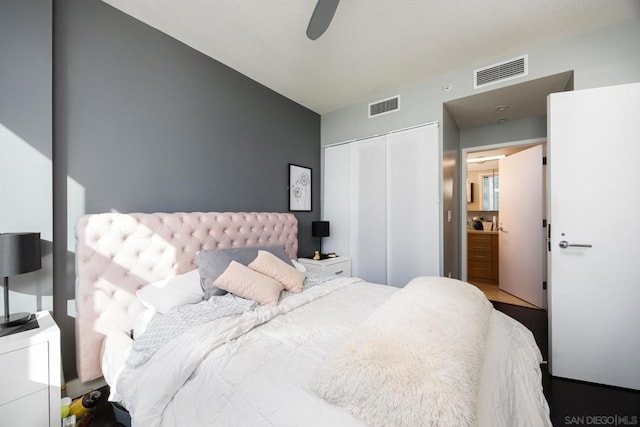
(385, 106)
(507, 70)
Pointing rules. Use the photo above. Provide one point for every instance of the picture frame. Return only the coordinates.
(299, 188)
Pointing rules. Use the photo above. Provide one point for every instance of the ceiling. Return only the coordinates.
(493, 164)
(508, 103)
(371, 46)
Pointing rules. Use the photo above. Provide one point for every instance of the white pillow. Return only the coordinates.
(141, 322)
(165, 295)
(299, 266)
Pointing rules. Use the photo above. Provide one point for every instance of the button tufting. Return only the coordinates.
(148, 247)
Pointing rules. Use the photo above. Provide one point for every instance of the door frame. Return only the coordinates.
(463, 194)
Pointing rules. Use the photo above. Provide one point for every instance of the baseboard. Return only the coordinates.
(76, 388)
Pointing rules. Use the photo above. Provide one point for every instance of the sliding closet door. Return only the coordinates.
(335, 207)
(413, 199)
(382, 197)
(367, 213)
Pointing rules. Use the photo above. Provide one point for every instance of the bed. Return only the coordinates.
(333, 351)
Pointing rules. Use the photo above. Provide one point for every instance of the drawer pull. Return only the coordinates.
(339, 272)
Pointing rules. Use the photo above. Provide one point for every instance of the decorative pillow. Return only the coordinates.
(213, 262)
(246, 283)
(272, 266)
(298, 266)
(167, 294)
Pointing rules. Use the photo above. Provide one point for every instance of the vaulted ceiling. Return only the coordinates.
(371, 46)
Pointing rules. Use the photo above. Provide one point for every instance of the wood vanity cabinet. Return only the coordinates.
(482, 257)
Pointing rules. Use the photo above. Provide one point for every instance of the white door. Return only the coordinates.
(335, 206)
(413, 204)
(367, 209)
(521, 236)
(594, 290)
(382, 198)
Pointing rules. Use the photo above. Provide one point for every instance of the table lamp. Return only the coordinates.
(320, 229)
(19, 253)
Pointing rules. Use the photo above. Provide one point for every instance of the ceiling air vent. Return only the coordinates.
(385, 106)
(507, 70)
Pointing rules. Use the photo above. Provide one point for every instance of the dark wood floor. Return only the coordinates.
(572, 402)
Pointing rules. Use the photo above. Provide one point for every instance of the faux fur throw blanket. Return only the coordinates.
(416, 360)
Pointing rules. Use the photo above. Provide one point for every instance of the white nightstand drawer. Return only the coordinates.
(32, 410)
(337, 269)
(24, 371)
(339, 266)
(30, 373)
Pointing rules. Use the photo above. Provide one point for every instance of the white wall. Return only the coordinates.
(513, 130)
(450, 248)
(603, 57)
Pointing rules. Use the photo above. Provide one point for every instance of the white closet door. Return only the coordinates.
(413, 204)
(336, 199)
(367, 213)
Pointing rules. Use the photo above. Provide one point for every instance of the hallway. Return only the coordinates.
(494, 293)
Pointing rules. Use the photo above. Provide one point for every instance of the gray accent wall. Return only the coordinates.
(25, 71)
(99, 112)
(143, 123)
(26, 141)
(150, 124)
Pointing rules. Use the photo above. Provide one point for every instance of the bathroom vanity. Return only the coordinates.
(482, 256)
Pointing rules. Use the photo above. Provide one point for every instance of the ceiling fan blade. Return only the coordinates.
(321, 18)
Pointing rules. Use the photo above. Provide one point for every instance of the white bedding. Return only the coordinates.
(417, 357)
(258, 368)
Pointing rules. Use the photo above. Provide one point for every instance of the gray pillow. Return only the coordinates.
(213, 262)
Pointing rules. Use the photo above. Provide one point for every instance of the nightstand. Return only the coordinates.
(30, 372)
(340, 266)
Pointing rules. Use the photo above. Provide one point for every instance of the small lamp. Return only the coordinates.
(320, 229)
(19, 253)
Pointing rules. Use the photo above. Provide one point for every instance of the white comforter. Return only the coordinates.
(258, 368)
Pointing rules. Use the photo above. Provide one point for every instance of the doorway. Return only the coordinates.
(515, 112)
(484, 242)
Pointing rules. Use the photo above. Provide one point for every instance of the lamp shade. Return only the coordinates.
(19, 253)
(320, 228)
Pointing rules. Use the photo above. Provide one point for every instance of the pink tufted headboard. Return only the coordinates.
(116, 254)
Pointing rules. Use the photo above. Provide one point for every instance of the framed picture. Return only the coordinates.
(299, 188)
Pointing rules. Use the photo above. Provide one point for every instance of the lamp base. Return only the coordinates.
(324, 256)
(14, 319)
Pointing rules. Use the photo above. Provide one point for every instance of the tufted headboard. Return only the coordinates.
(116, 254)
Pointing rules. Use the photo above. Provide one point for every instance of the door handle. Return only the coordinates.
(564, 245)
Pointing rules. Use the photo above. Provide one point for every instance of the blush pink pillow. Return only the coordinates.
(246, 283)
(272, 266)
